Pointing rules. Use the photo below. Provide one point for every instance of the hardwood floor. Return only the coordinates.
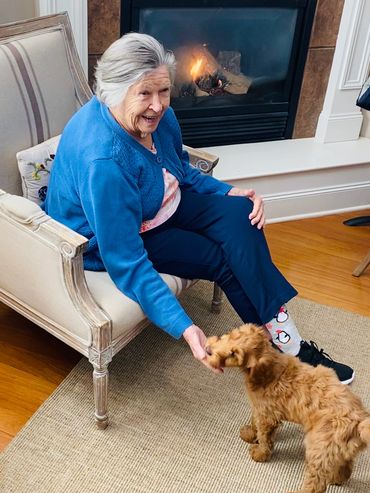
(316, 255)
(32, 364)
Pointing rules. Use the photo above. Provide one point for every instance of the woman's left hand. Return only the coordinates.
(257, 216)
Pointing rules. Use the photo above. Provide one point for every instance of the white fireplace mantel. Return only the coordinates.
(299, 177)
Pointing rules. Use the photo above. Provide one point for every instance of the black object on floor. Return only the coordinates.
(358, 221)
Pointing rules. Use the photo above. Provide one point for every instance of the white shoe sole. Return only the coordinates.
(350, 380)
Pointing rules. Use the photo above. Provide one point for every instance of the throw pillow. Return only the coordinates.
(34, 165)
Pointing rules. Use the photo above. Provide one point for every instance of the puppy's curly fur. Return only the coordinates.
(281, 388)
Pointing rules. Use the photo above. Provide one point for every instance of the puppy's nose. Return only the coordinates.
(209, 350)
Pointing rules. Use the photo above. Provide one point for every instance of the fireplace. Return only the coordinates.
(240, 63)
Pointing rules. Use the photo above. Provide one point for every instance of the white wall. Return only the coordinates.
(16, 10)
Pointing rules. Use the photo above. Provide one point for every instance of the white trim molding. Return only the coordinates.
(317, 202)
(340, 118)
(77, 11)
(356, 63)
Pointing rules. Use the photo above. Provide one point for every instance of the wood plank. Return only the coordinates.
(318, 256)
(5, 439)
(32, 364)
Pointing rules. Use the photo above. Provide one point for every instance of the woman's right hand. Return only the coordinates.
(196, 339)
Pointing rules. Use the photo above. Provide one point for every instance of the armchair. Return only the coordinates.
(41, 266)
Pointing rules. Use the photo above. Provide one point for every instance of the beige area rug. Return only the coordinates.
(174, 424)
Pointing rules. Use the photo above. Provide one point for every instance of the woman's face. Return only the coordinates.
(145, 102)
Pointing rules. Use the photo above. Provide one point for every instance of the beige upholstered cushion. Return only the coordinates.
(125, 313)
(34, 166)
(37, 96)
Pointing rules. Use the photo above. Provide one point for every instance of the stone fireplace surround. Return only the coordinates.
(325, 168)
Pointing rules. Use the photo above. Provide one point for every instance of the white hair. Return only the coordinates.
(126, 61)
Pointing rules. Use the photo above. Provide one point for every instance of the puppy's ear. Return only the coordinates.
(250, 360)
(239, 355)
(243, 358)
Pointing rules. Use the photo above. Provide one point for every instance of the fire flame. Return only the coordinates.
(196, 68)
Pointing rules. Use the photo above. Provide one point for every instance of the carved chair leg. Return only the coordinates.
(100, 362)
(100, 380)
(217, 299)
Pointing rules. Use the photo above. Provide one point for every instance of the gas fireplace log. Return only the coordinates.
(212, 79)
(212, 84)
(188, 89)
(199, 92)
(239, 84)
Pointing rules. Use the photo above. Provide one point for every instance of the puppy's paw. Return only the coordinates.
(248, 434)
(258, 453)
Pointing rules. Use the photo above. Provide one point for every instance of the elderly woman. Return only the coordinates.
(121, 179)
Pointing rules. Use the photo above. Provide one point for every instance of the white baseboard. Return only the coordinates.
(318, 202)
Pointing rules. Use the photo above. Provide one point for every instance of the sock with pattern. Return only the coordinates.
(284, 333)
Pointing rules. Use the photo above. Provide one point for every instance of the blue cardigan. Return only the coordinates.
(103, 184)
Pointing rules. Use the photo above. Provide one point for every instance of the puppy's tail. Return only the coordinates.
(364, 430)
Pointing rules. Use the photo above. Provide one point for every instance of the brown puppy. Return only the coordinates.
(281, 388)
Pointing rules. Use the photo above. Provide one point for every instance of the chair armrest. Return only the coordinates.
(42, 275)
(22, 211)
(202, 160)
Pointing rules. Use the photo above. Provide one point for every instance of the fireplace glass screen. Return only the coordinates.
(239, 63)
(225, 56)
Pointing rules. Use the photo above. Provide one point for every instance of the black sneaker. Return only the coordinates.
(311, 354)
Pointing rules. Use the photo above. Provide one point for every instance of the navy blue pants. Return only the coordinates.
(211, 237)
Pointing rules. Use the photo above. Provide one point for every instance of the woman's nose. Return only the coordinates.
(156, 104)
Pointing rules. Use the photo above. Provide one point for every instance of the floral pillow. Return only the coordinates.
(34, 165)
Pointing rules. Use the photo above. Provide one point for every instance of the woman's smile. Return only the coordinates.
(152, 120)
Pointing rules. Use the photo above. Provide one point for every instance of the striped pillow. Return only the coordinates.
(34, 166)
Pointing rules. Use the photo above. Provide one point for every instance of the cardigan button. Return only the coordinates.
(159, 159)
